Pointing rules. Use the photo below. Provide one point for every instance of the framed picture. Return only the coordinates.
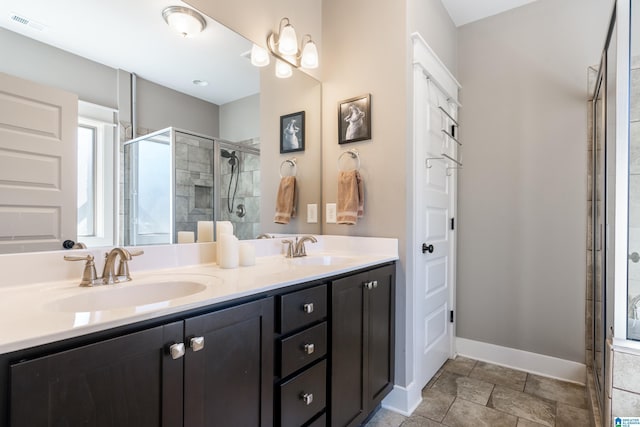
(292, 132)
(354, 119)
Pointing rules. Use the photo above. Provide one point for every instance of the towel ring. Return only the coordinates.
(354, 155)
(294, 166)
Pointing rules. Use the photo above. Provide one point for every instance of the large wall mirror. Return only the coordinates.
(170, 130)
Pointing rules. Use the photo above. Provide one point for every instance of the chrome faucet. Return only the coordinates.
(300, 250)
(109, 274)
(109, 271)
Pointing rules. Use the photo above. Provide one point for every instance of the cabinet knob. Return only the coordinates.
(368, 285)
(375, 284)
(176, 350)
(309, 348)
(196, 343)
(308, 308)
(307, 398)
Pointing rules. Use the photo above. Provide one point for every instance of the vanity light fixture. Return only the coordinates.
(187, 22)
(259, 56)
(283, 69)
(284, 45)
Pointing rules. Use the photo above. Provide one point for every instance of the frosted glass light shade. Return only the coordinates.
(283, 70)
(259, 56)
(309, 55)
(288, 41)
(185, 21)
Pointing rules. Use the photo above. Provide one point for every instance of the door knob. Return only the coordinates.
(634, 257)
(427, 248)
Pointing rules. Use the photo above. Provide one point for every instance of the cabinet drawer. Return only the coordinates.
(303, 396)
(301, 308)
(302, 348)
(321, 421)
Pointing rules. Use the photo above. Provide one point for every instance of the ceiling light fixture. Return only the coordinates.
(199, 82)
(284, 45)
(187, 22)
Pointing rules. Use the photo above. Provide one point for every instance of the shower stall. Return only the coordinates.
(613, 293)
(174, 178)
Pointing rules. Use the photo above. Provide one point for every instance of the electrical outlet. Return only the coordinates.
(331, 213)
(312, 213)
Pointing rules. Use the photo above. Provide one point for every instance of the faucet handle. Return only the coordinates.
(123, 268)
(89, 275)
(289, 248)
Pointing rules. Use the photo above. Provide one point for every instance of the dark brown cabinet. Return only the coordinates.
(224, 376)
(301, 382)
(362, 344)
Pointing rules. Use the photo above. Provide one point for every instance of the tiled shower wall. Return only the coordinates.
(194, 181)
(247, 194)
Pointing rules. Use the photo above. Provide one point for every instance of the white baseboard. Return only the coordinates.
(535, 363)
(403, 400)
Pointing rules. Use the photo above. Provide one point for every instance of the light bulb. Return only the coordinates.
(288, 42)
(283, 70)
(259, 56)
(309, 55)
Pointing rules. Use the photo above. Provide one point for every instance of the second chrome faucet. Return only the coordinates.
(297, 249)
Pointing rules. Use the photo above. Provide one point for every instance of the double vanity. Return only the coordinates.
(289, 341)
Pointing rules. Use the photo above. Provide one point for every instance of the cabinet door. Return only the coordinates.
(380, 317)
(348, 331)
(118, 382)
(229, 382)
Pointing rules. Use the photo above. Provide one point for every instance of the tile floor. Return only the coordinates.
(469, 393)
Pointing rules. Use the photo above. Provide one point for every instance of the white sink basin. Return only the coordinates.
(321, 260)
(110, 297)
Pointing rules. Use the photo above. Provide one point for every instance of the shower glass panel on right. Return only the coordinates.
(633, 283)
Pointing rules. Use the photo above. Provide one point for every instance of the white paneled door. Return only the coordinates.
(38, 134)
(434, 207)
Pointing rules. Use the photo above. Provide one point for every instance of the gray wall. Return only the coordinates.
(41, 63)
(522, 210)
(432, 21)
(240, 119)
(160, 107)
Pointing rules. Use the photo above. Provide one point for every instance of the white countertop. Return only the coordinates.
(33, 314)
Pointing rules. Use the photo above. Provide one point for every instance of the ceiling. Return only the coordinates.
(466, 11)
(133, 36)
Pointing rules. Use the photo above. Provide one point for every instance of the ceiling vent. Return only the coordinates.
(19, 19)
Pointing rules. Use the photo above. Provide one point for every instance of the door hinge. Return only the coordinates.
(451, 316)
(453, 223)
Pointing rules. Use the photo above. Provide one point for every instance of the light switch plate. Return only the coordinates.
(331, 213)
(312, 213)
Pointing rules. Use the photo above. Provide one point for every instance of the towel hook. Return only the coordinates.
(293, 162)
(354, 155)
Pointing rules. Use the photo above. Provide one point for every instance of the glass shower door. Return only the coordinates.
(148, 193)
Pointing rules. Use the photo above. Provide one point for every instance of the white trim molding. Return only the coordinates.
(403, 400)
(539, 364)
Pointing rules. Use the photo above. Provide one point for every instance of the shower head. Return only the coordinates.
(229, 155)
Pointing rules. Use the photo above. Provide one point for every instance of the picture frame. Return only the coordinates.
(354, 119)
(292, 132)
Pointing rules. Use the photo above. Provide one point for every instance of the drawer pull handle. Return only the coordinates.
(307, 398)
(308, 308)
(309, 348)
(176, 351)
(196, 343)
